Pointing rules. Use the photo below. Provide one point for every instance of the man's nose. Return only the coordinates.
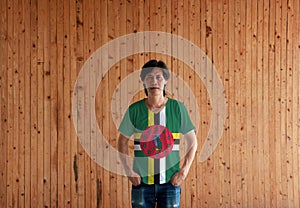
(154, 80)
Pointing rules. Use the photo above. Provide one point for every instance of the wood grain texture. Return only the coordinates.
(254, 46)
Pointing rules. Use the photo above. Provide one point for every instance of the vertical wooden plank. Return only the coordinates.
(27, 109)
(47, 107)
(155, 25)
(113, 31)
(105, 18)
(88, 13)
(242, 104)
(231, 104)
(93, 172)
(102, 187)
(124, 195)
(39, 86)
(73, 73)
(161, 26)
(237, 171)
(239, 32)
(248, 69)
(53, 103)
(225, 191)
(283, 103)
(34, 103)
(67, 104)
(125, 184)
(139, 23)
(243, 98)
(209, 88)
(22, 72)
(60, 103)
(146, 24)
(167, 9)
(92, 41)
(254, 105)
(296, 100)
(93, 142)
(151, 25)
(10, 104)
(277, 103)
(271, 107)
(86, 121)
(213, 48)
(40, 100)
(16, 105)
(218, 61)
(265, 103)
(3, 103)
(105, 129)
(90, 8)
(289, 106)
(109, 180)
(260, 124)
(119, 189)
(174, 62)
(78, 164)
(115, 178)
(141, 27)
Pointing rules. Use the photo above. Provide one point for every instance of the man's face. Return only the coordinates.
(155, 81)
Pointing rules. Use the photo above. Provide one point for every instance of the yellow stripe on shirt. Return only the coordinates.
(150, 160)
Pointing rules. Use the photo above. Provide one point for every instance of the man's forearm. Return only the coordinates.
(123, 150)
(191, 140)
(192, 148)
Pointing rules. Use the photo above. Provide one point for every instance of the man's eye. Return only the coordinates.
(157, 77)
(150, 77)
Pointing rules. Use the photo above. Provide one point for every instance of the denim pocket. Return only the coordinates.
(143, 196)
(174, 185)
(138, 186)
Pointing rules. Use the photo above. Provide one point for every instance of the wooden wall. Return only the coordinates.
(255, 46)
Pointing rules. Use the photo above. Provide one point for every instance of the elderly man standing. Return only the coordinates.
(156, 123)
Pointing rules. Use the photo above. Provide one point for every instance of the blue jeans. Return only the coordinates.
(165, 195)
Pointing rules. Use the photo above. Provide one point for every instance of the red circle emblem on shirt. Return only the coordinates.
(156, 141)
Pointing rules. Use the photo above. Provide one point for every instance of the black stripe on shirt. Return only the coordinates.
(156, 161)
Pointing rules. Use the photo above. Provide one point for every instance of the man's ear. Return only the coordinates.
(166, 81)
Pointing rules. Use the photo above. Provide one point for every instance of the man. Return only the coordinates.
(156, 123)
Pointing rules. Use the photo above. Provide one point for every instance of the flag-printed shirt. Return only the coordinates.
(137, 118)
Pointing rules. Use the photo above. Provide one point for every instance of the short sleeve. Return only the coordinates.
(126, 127)
(186, 123)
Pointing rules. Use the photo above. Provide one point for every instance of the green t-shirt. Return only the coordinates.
(137, 118)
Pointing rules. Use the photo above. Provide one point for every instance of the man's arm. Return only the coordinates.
(123, 148)
(192, 144)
